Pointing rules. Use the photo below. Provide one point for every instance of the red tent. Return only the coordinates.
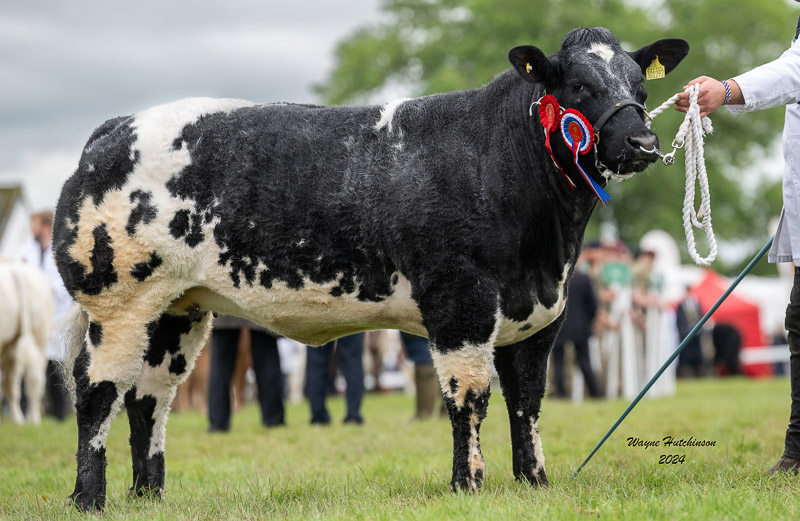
(735, 311)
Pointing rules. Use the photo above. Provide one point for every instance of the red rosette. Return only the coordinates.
(549, 112)
(577, 131)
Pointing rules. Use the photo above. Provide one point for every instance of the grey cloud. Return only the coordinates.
(69, 66)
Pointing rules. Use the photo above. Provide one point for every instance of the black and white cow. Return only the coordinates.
(442, 216)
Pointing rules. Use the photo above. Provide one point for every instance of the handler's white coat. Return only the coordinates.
(771, 85)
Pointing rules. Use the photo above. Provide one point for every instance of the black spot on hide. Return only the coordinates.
(453, 385)
(265, 280)
(188, 226)
(178, 365)
(243, 267)
(95, 333)
(179, 225)
(143, 212)
(107, 160)
(165, 335)
(525, 327)
(142, 270)
(102, 275)
(94, 398)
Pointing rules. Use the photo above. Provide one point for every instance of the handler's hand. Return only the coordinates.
(710, 97)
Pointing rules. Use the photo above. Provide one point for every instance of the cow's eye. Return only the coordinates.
(577, 87)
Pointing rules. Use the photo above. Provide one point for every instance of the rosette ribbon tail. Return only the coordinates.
(555, 161)
(601, 194)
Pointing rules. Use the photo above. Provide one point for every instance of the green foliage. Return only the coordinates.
(429, 46)
(392, 469)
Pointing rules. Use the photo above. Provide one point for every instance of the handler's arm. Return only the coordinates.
(770, 85)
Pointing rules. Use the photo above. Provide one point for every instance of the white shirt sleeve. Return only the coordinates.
(771, 85)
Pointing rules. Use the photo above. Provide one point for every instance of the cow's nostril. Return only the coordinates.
(643, 142)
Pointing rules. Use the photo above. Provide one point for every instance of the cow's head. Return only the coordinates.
(591, 73)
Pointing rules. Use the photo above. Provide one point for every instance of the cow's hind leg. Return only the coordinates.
(462, 326)
(175, 342)
(106, 367)
(522, 368)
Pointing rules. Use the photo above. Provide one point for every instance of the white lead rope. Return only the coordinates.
(690, 134)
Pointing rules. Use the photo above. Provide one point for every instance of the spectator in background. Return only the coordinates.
(426, 381)
(350, 350)
(727, 346)
(40, 253)
(688, 314)
(266, 365)
(645, 288)
(577, 328)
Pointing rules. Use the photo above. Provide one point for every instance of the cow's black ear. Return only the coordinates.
(670, 52)
(531, 63)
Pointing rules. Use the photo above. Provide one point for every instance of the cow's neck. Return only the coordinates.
(552, 215)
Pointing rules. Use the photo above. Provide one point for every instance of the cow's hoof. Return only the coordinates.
(146, 492)
(468, 484)
(84, 503)
(785, 464)
(535, 479)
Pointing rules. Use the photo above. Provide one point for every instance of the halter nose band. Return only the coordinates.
(603, 119)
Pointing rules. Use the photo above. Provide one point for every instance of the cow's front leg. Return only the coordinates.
(462, 342)
(522, 368)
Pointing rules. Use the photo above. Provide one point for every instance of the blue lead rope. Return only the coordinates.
(677, 351)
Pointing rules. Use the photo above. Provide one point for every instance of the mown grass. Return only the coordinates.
(392, 469)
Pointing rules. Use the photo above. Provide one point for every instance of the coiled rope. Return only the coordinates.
(690, 135)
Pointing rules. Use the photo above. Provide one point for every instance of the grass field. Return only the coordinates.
(392, 469)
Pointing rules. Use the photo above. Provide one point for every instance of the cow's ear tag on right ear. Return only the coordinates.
(655, 71)
(528, 68)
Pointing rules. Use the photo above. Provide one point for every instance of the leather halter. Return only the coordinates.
(605, 116)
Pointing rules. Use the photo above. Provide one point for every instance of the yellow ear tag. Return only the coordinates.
(528, 67)
(655, 71)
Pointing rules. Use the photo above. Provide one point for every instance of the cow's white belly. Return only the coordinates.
(310, 315)
(313, 316)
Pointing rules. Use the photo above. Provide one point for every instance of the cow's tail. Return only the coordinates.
(73, 331)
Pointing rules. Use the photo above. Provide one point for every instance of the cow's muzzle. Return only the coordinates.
(640, 148)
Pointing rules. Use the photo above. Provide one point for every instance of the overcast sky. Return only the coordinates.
(65, 67)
